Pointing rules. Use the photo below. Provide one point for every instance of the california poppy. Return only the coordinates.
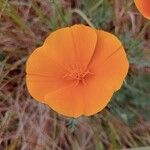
(144, 7)
(77, 70)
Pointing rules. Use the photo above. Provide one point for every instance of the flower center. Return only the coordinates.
(78, 74)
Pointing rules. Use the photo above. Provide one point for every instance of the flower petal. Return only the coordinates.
(144, 7)
(101, 53)
(85, 39)
(109, 61)
(67, 101)
(109, 66)
(43, 74)
(71, 45)
(97, 95)
(81, 100)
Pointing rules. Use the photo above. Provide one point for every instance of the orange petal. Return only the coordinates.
(67, 101)
(81, 100)
(85, 39)
(144, 7)
(109, 66)
(71, 45)
(109, 61)
(97, 94)
(106, 64)
(43, 74)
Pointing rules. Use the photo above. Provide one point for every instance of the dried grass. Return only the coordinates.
(26, 124)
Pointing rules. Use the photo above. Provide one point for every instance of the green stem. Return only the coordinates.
(80, 13)
(59, 12)
(143, 30)
(96, 5)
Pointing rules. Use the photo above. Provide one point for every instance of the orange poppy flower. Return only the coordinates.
(77, 70)
(144, 7)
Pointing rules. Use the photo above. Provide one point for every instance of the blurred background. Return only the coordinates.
(26, 124)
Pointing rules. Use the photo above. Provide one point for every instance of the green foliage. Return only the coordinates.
(133, 100)
(62, 15)
(11, 12)
(100, 12)
(133, 47)
(2, 57)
